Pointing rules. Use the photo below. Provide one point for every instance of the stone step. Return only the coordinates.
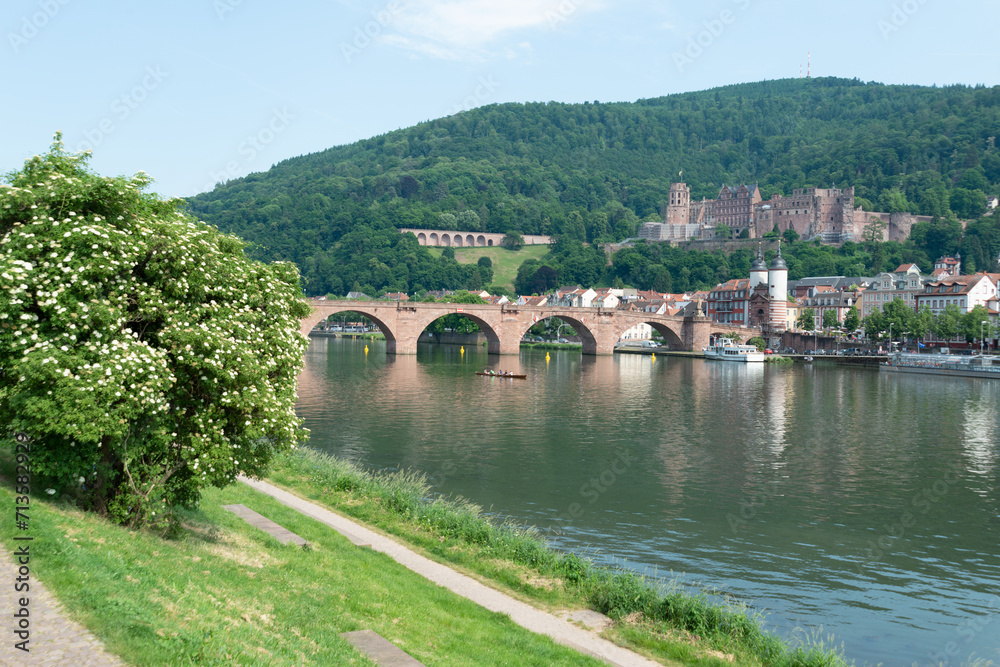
(380, 649)
(276, 531)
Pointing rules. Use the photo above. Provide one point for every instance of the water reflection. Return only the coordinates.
(840, 496)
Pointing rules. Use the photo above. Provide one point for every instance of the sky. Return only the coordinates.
(195, 92)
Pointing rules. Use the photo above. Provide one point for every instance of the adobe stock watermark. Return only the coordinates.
(483, 92)
(699, 42)
(967, 630)
(751, 505)
(921, 504)
(366, 34)
(122, 107)
(563, 12)
(35, 23)
(900, 16)
(463, 453)
(252, 146)
(224, 7)
(592, 490)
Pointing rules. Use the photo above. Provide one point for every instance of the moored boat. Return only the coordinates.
(503, 375)
(942, 364)
(726, 350)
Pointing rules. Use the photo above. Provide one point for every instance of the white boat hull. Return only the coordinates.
(745, 354)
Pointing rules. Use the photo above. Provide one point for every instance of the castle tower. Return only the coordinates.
(678, 210)
(758, 270)
(777, 280)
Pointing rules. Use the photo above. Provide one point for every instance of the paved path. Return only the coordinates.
(521, 613)
(55, 640)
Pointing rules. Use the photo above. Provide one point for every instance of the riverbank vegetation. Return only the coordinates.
(668, 622)
(551, 346)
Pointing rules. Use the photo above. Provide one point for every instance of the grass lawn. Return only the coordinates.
(505, 262)
(225, 593)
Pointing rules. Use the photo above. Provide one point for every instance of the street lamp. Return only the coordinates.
(981, 325)
(890, 336)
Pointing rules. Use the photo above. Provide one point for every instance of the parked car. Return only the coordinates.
(563, 340)
(768, 351)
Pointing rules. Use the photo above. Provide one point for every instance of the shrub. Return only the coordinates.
(140, 350)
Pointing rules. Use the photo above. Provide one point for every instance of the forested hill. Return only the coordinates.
(594, 171)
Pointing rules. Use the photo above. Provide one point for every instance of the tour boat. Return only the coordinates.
(726, 350)
(501, 375)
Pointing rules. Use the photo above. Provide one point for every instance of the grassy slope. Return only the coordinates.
(505, 262)
(227, 593)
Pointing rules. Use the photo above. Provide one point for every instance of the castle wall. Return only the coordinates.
(703, 212)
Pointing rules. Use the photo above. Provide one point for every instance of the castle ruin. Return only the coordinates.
(827, 214)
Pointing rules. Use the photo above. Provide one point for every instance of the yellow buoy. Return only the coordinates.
(461, 350)
(366, 349)
(654, 357)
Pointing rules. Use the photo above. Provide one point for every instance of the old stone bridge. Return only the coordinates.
(504, 326)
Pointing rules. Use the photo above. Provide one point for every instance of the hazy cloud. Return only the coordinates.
(470, 29)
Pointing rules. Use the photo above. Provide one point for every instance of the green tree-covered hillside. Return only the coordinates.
(594, 171)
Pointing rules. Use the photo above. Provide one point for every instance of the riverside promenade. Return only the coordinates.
(561, 631)
(55, 639)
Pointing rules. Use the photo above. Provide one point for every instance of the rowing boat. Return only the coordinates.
(499, 375)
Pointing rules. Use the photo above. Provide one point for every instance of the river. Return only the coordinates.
(841, 502)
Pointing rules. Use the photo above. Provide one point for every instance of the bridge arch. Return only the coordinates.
(322, 313)
(492, 337)
(587, 337)
(673, 337)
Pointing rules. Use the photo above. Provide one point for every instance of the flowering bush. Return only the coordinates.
(142, 352)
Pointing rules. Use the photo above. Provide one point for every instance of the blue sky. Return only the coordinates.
(197, 91)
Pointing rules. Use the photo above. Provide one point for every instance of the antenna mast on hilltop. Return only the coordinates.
(809, 56)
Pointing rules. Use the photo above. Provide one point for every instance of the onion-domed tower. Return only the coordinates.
(758, 270)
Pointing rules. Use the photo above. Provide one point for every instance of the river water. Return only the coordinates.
(841, 502)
